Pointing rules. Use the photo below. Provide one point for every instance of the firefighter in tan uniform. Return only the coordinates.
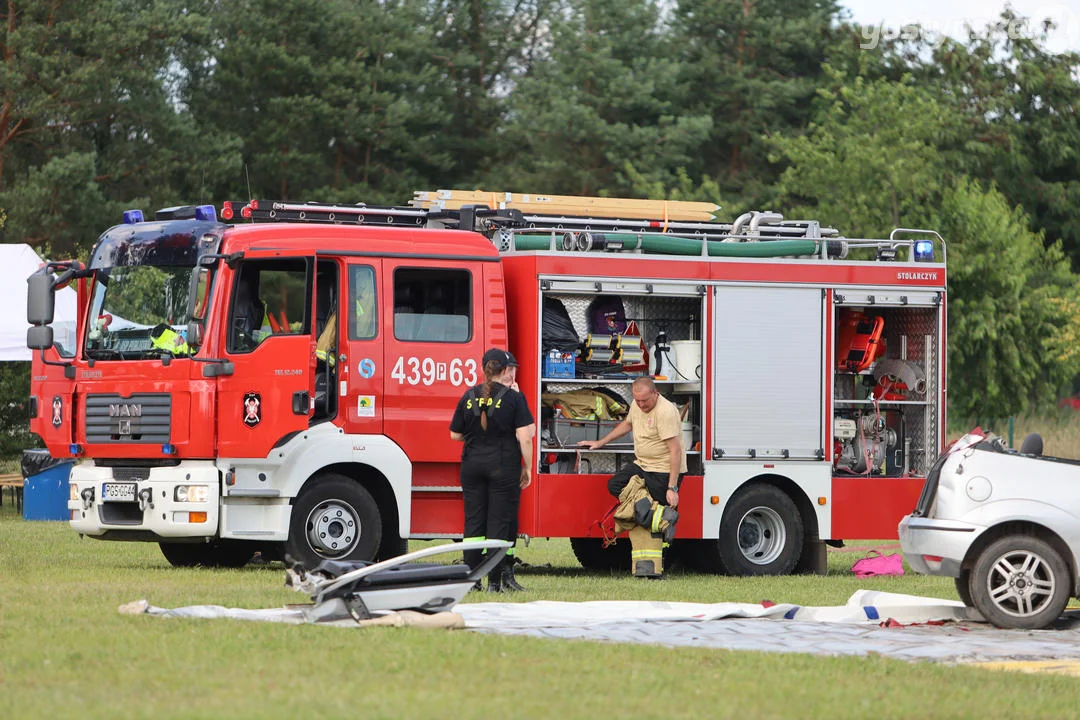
(659, 466)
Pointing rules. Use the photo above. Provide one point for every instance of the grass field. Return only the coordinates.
(66, 652)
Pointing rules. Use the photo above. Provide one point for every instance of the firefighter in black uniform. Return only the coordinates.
(494, 422)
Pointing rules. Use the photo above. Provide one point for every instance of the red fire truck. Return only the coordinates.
(283, 381)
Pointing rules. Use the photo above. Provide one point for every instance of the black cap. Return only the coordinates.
(502, 358)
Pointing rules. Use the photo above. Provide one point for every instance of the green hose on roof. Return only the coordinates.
(655, 243)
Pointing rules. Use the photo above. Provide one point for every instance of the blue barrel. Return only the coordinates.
(45, 486)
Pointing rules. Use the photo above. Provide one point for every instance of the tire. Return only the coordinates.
(592, 554)
(963, 588)
(761, 532)
(704, 556)
(334, 518)
(393, 547)
(217, 553)
(1021, 582)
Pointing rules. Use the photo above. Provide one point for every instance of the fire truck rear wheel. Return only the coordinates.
(218, 553)
(592, 554)
(334, 518)
(761, 532)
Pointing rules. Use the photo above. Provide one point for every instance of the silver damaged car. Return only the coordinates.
(1005, 524)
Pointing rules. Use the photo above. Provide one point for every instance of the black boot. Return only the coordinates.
(495, 580)
(510, 583)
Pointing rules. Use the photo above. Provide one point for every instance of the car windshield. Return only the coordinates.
(139, 312)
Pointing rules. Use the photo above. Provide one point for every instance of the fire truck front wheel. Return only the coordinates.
(218, 553)
(761, 532)
(334, 518)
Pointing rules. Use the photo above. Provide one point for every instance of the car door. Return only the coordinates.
(271, 345)
(433, 347)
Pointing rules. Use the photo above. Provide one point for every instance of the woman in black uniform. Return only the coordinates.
(494, 422)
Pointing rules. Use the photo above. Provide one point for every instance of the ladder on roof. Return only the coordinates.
(525, 213)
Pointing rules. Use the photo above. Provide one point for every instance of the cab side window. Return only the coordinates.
(432, 305)
(270, 298)
(362, 307)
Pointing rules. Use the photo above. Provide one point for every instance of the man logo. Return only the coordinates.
(122, 414)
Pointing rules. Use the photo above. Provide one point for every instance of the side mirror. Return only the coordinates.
(39, 300)
(39, 337)
(194, 334)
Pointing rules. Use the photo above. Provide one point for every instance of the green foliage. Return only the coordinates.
(1005, 325)
(862, 169)
(15, 435)
(89, 116)
(599, 114)
(872, 160)
(753, 68)
(1018, 103)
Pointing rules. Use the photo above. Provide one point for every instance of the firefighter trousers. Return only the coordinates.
(656, 482)
(492, 495)
(649, 523)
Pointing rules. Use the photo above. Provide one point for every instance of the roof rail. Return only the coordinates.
(583, 224)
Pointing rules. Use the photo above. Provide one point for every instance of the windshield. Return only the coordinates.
(140, 312)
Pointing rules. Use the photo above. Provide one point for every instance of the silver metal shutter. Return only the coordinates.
(767, 372)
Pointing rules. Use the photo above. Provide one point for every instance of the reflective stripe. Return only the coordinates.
(479, 538)
(657, 516)
(172, 341)
(645, 554)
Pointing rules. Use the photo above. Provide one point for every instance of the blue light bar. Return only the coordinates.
(75, 449)
(206, 212)
(924, 251)
(132, 216)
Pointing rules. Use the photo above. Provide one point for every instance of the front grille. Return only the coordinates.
(130, 473)
(138, 418)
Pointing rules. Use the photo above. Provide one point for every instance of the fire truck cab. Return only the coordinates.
(283, 382)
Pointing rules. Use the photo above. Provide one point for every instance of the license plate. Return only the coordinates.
(118, 492)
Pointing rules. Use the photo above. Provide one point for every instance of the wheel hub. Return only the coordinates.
(762, 535)
(333, 528)
(1021, 583)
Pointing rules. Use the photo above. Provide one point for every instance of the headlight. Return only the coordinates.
(190, 493)
(73, 492)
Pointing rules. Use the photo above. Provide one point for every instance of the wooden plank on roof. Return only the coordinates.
(571, 205)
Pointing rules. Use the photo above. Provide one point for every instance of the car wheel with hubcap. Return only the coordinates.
(963, 588)
(1020, 581)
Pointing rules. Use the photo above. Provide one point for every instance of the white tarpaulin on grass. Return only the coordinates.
(20, 262)
(871, 622)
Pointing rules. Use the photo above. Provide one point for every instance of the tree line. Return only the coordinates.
(778, 104)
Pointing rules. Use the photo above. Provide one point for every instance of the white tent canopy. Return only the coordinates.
(20, 262)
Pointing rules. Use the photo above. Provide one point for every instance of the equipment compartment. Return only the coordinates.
(885, 407)
(650, 333)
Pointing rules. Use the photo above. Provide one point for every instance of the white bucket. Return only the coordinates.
(687, 436)
(685, 357)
